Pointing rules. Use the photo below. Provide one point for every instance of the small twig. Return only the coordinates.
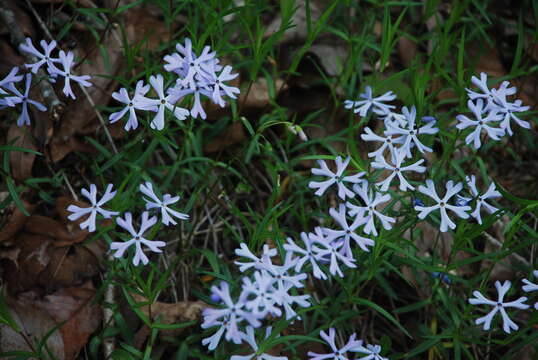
(39, 20)
(55, 106)
(108, 316)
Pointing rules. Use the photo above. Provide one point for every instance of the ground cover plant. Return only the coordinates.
(268, 179)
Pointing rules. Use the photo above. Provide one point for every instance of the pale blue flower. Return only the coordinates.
(154, 202)
(66, 60)
(336, 352)
(261, 295)
(377, 103)
(498, 306)
(131, 105)
(309, 254)
(397, 169)
(347, 231)
(480, 123)
(337, 178)
(530, 287)
(137, 238)
(368, 212)
(7, 81)
(94, 208)
(411, 131)
(24, 118)
(44, 58)
(442, 204)
(251, 340)
(387, 142)
(256, 262)
(491, 193)
(372, 352)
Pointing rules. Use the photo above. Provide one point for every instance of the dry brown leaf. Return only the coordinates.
(332, 57)
(407, 50)
(59, 232)
(82, 317)
(59, 150)
(35, 322)
(15, 221)
(21, 162)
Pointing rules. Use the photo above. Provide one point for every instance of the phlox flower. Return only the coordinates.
(390, 117)
(44, 58)
(131, 105)
(498, 305)
(377, 103)
(529, 286)
(286, 299)
(487, 94)
(256, 262)
(220, 88)
(163, 102)
(491, 193)
(94, 208)
(228, 317)
(411, 131)
(387, 142)
(188, 65)
(9, 80)
(372, 352)
(24, 118)
(332, 253)
(154, 202)
(282, 274)
(442, 204)
(508, 111)
(335, 178)
(202, 88)
(251, 340)
(137, 238)
(347, 231)
(397, 170)
(66, 60)
(368, 212)
(260, 295)
(481, 123)
(309, 254)
(336, 353)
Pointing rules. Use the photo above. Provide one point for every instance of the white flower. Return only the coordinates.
(228, 317)
(368, 212)
(498, 305)
(43, 57)
(529, 286)
(131, 104)
(481, 123)
(220, 88)
(251, 340)
(331, 253)
(67, 63)
(310, 253)
(411, 132)
(442, 204)
(260, 295)
(335, 178)
(154, 202)
(24, 118)
(163, 102)
(390, 117)
(9, 80)
(362, 106)
(336, 352)
(372, 352)
(256, 263)
(286, 300)
(189, 66)
(397, 170)
(95, 207)
(508, 110)
(387, 142)
(137, 238)
(487, 94)
(347, 232)
(491, 193)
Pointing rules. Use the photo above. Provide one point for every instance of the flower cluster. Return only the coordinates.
(492, 111)
(61, 66)
(370, 352)
(268, 290)
(197, 75)
(137, 239)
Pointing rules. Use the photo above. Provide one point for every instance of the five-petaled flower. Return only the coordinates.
(481, 123)
(251, 340)
(336, 353)
(66, 61)
(491, 193)
(154, 202)
(397, 169)
(368, 212)
(347, 232)
(24, 118)
(377, 103)
(44, 58)
(137, 238)
(131, 105)
(530, 287)
(337, 178)
(94, 208)
(442, 204)
(498, 305)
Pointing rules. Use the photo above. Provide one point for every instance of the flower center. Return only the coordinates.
(442, 204)
(163, 101)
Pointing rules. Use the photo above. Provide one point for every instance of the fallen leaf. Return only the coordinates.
(62, 236)
(15, 220)
(258, 95)
(21, 162)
